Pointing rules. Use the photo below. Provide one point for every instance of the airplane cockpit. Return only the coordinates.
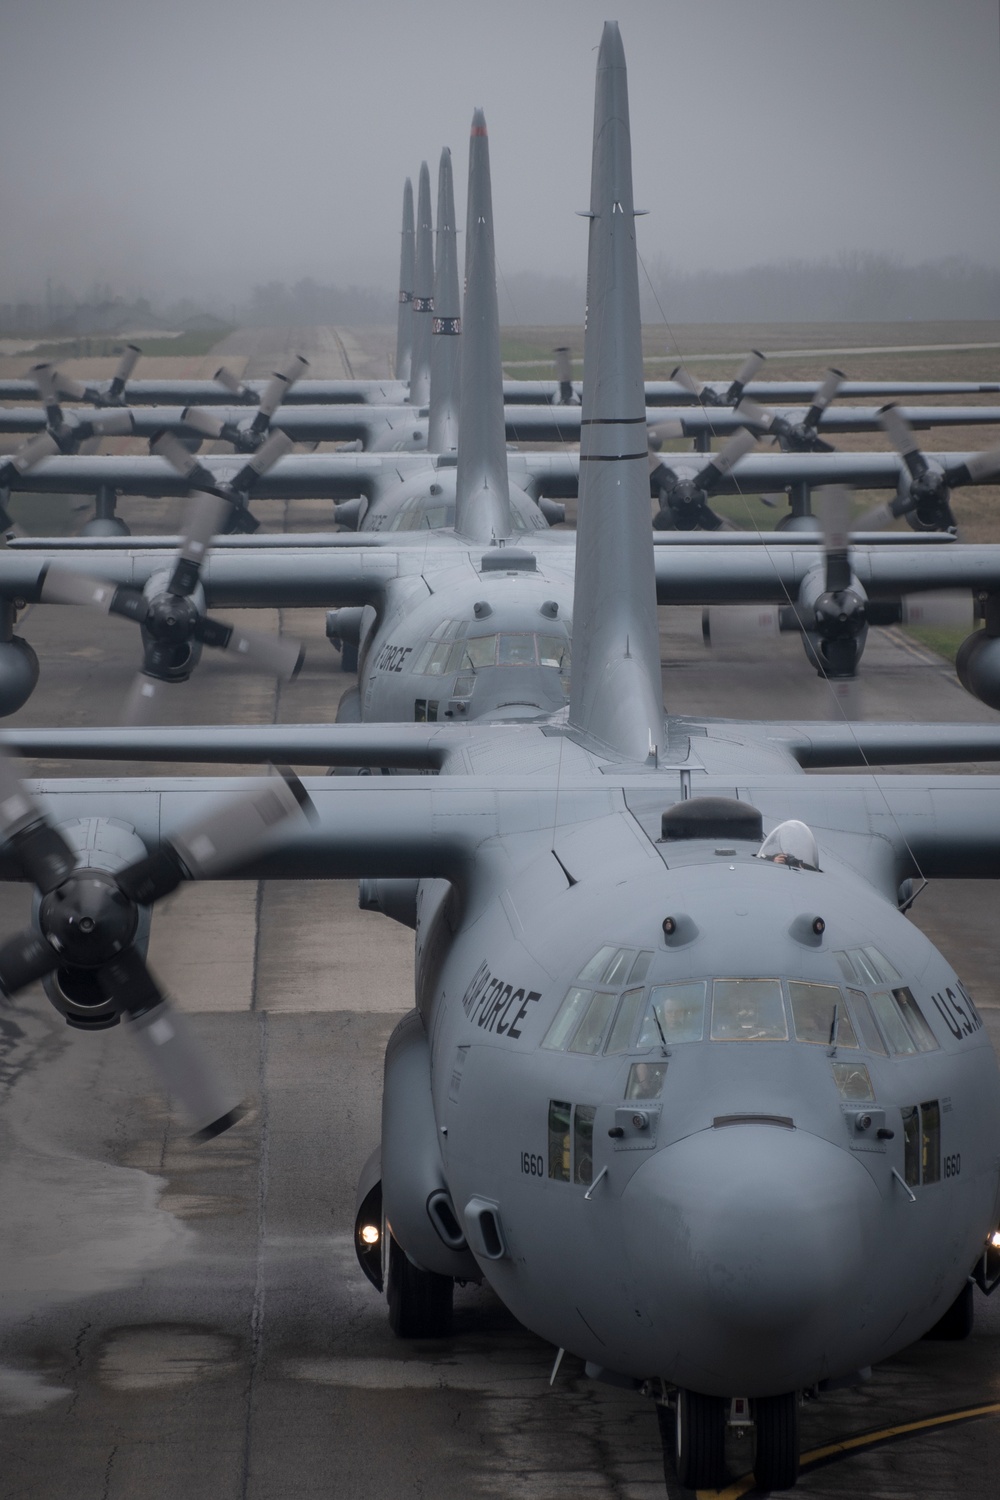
(792, 843)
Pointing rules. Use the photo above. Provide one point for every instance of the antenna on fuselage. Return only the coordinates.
(404, 315)
(482, 489)
(446, 322)
(616, 693)
(423, 294)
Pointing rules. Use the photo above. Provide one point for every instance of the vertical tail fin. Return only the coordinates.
(482, 496)
(404, 317)
(446, 323)
(423, 293)
(616, 694)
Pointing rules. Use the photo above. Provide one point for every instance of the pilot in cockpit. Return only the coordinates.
(791, 843)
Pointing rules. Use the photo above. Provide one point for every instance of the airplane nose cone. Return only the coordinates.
(750, 1246)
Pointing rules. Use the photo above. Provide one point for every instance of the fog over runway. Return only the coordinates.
(185, 1322)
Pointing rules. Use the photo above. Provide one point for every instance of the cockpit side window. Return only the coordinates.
(891, 1022)
(913, 1019)
(748, 1010)
(815, 1009)
(871, 1039)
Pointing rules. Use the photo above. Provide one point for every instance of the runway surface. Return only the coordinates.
(189, 1323)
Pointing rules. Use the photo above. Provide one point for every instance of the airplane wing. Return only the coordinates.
(937, 826)
(561, 424)
(745, 574)
(212, 393)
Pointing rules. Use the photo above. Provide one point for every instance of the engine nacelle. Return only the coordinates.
(100, 844)
(393, 898)
(416, 1203)
(977, 664)
(18, 674)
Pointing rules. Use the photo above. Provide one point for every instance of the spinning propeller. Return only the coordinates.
(926, 500)
(74, 432)
(683, 495)
(707, 395)
(170, 612)
(51, 381)
(42, 445)
(248, 438)
(89, 932)
(235, 491)
(798, 437)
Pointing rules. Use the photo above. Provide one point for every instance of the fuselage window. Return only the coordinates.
(604, 962)
(748, 1010)
(871, 1038)
(676, 1013)
(559, 1118)
(891, 1022)
(481, 651)
(645, 1080)
(818, 1012)
(911, 1145)
(583, 1143)
(853, 1082)
(930, 1141)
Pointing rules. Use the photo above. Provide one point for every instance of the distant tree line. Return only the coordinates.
(850, 288)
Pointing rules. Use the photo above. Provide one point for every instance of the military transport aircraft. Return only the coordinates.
(733, 1078)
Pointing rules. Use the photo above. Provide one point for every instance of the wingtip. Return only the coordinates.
(478, 123)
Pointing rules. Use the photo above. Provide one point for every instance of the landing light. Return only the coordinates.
(370, 1234)
(995, 1239)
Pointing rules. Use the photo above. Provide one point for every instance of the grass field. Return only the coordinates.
(201, 342)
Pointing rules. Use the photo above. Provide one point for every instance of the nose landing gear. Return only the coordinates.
(693, 1434)
(776, 1441)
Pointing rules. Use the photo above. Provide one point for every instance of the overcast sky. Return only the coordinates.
(200, 146)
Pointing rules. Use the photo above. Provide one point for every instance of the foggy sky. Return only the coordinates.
(175, 147)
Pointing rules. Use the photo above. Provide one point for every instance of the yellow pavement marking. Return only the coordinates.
(745, 1485)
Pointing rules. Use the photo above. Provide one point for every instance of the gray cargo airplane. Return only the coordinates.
(733, 1079)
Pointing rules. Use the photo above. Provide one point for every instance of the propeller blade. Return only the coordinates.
(42, 852)
(42, 445)
(564, 370)
(834, 510)
(143, 700)
(663, 432)
(205, 518)
(876, 519)
(280, 384)
(205, 422)
(759, 416)
(949, 609)
(746, 373)
(684, 378)
(66, 586)
(178, 457)
(24, 959)
(735, 624)
(52, 383)
(846, 697)
(274, 654)
(720, 463)
(219, 841)
(900, 435)
(129, 359)
(275, 447)
(112, 423)
(831, 385)
(983, 465)
(167, 1042)
(229, 382)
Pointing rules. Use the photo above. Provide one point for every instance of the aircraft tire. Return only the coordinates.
(419, 1301)
(957, 1322)
(776, 1441)
(697, 1437)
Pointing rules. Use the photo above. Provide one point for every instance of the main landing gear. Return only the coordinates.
(419, 1301)
(693, 1433)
